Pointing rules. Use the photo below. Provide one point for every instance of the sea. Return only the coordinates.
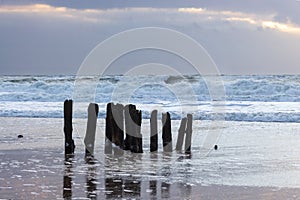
(254, 121)
(252, 98)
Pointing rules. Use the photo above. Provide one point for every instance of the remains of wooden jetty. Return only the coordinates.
(123, 130)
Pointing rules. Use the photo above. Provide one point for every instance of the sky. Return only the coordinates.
(242, 37)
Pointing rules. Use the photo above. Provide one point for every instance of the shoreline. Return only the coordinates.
(48, 177)
(247, 165)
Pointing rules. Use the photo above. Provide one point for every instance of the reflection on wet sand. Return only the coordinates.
(91, 178)
(122, 188)
(68, 173)
(126, 185)
(131, 188)
(153, 187)
(116, 184)
(165, 190)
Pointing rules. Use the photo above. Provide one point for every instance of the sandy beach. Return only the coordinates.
(42, 174)
(254, 161)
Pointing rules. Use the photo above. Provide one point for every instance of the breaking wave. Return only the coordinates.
(248, 98)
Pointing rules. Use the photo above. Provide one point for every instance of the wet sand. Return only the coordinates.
(35, 167)
(41, 174)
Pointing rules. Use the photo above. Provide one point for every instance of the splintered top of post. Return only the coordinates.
(93, 108)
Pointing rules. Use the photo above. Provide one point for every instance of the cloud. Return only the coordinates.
(86, 15)
(172, 16)
(47, 38)
(34, 8)
(261, 21)
(288, 27)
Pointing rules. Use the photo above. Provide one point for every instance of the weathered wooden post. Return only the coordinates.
(166, 132)
(138, 131)
(188, 137)
(118, 133)
(181, 132)
(69, 142)
(153, 132)
(108, 129)
(118, 128)
(133, 121)
(133, 126)
(128, 127)
(89, 139)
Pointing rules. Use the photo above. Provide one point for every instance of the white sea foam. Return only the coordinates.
(248, 98)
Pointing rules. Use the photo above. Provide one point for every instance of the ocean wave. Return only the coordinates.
(237, 88)
(248, 117)
(230, 111)
(264, 98)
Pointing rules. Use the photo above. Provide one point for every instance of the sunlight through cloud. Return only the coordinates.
(167, 15)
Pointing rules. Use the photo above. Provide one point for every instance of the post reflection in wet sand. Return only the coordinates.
(126, 188)
(91, 177)
(120, 183)
(67, 179)
(165, 190)
(153, 187)
(121, 179)
(118, 186)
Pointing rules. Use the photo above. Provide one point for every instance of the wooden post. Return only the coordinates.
(166, 132)
(153, 132)
(118, 128)
(89, 139)
(188, 137)
(181, 132)
(69, 142)
(133, 126)
(108, 129)
(129, 126)
(118, 135)
(133, 121)
(127, 141)
(138, 131)
(113, 123)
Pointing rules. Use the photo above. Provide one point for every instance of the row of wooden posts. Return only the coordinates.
(123, 129)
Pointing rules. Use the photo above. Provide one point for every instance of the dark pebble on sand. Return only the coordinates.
(20, 136)
(216, 147)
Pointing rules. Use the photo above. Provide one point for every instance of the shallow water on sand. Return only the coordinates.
(250, 154)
